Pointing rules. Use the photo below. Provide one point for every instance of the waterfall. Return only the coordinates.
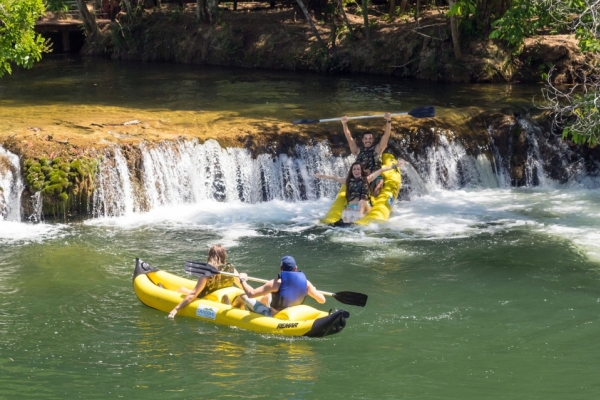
(181, 172)
(11, 186)
(448, 166)
(113, 194)
(133, 179)
(499, 165)
(551, 161)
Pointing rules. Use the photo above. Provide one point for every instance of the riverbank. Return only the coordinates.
(281, 39)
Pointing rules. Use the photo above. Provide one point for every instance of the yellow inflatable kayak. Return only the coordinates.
(299, 320)
(382, 204)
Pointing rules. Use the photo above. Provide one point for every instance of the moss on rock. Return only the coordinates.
(65, 186)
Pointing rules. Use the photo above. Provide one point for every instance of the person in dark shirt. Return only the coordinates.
(357, 190)
(370, 155)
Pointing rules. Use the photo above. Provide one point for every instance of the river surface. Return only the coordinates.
(473, 294)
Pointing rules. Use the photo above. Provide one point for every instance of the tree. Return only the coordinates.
(311, 23)
(365, 13)
(575, 111)
(89, 21)
(454, 32)
(19, 44)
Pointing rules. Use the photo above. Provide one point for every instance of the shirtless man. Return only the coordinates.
(370, 155)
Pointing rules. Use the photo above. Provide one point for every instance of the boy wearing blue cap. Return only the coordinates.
(289, 289)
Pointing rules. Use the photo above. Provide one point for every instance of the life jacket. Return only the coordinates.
(358, 188)
(369, 159)
(218, 281)
(292, 290)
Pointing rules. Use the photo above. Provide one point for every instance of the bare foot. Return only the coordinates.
(225, 300)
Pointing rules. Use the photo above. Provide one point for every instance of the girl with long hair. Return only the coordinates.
(357, 190)
(217, 257)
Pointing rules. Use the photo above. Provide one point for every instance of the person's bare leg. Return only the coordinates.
(238, 302)
(364, 207)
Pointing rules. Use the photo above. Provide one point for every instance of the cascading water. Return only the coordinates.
(11, 186)
(448, 166)
(182, 172)
(133, 179)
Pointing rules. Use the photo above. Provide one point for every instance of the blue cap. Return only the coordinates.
(288, 263)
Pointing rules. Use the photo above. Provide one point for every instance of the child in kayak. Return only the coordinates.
(217, 257)
(357, 189)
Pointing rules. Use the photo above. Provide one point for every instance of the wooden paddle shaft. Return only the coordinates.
(263, 281)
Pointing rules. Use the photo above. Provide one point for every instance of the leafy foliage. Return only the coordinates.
(585, 129)
(19, 44)
(575, 110)
(525, 17)
(57, 6)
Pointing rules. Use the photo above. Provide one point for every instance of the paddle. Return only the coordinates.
(419, 112)
(204, 269)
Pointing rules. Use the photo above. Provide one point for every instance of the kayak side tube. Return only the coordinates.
(158, 289)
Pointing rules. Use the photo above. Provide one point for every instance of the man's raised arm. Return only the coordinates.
(353, 146)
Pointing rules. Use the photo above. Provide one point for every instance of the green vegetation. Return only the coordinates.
(62, 183)
(575, 111)
(19, 44)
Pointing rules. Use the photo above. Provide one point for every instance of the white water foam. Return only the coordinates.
(13, 232)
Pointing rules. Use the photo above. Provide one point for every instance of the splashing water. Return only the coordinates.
(187, 172)
(11, 186)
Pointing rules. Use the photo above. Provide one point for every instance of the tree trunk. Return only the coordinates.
(417, 9)
(454, 31)
(89, 21)
(403, 4)
(343, 12)
(127, 6)
(365, 12)
(312, 25)
(212, 11)
(201, 11)
(392, 8)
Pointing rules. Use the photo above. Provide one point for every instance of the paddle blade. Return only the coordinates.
(422, 112)
(200, 268)
(305, 121)
(351, 298)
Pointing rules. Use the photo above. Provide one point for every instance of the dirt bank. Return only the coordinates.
(280, 39)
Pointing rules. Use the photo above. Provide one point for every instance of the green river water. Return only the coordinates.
(473, 294)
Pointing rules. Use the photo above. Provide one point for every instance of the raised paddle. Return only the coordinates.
(204, 269)
(419, 112)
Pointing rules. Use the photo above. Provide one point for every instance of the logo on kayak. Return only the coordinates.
(390, 201)
(287, 325)
(206, 312)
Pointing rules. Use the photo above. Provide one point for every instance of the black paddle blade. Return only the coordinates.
(422, 112)
(351, 298)
(200, 268)
(305, 121)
